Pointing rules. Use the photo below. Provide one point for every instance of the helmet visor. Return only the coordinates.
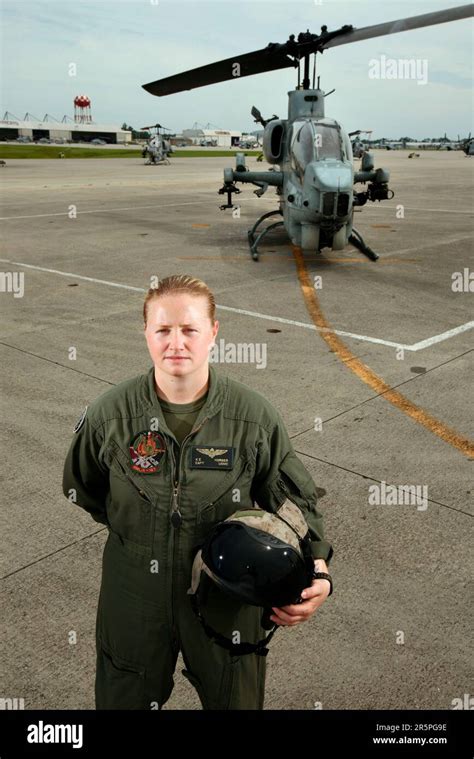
(255, 566)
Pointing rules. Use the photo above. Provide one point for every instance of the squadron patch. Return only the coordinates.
(146, 452)
(80, 421)
(208, 457)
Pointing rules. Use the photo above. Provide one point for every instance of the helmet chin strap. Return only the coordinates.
(236, 649)
(242, 649)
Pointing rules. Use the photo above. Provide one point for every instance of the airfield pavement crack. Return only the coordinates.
(374, 479)
(76, 321)
(56, 363)
(53, 553)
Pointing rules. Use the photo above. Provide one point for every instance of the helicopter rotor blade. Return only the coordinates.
(257, 62)
(277, 56)
(403, 25)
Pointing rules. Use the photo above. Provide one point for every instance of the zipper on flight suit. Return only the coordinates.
(176, 521)
(176, 516)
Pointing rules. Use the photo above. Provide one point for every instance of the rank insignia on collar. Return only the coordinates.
(146, 452)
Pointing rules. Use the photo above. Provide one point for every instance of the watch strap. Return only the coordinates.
(323, 576)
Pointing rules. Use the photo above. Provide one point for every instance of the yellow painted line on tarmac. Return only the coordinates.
(364, 373)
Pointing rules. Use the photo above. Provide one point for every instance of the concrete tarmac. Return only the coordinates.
(88, 236)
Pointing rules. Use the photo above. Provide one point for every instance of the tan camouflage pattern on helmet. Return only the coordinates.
(198, 567)
(276, 524)
(283, 524)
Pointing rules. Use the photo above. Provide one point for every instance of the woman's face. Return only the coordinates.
(179, 333)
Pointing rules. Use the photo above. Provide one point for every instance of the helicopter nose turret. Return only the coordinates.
(321, 212)
(327, 190)
(330, 175)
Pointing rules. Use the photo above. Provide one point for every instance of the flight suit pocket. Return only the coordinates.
(119, 683)
(219, 692)
(243, 683)
(293, 481)
(232, 494)
(228, 683)
(130, 508)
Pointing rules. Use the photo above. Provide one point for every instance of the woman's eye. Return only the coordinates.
(162, 331)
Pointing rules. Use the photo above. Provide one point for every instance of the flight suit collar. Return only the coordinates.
(217, 391)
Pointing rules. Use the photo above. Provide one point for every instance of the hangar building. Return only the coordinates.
(12, 128)
(220, 137)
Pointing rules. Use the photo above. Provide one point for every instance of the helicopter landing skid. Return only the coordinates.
(254, 239)
(357, 241)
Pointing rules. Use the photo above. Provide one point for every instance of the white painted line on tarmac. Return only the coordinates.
(446, 241)
(305, 325)
(415, 208)
(100, 210)
(74, 276)
(443, 336)
(268, 317)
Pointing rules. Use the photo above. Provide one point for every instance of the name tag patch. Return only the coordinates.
(208, 457)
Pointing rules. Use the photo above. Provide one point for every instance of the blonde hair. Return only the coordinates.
(181, 283)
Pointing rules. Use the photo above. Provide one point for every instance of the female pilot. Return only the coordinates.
(160, 459)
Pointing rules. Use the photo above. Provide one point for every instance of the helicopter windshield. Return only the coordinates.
(303, 149)
(313, 141)
(328, 141)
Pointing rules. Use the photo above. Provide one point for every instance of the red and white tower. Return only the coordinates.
(82, 109)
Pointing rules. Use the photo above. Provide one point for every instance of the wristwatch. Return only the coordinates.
(323, 576)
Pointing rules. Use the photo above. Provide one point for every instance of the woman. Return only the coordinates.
(160, 459)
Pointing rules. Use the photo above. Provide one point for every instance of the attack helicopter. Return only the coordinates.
(158, 148)
(358, 147)
(310, 154)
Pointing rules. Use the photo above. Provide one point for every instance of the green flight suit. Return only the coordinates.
(159, 501)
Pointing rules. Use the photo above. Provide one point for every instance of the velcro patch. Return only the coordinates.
(208, 457)
(146, 452)
(80, 421)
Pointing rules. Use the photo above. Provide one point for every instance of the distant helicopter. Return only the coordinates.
(358, 147)
(467, 145)
(315, 174)
(158, 148)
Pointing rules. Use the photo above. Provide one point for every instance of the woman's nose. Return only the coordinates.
(177, 340)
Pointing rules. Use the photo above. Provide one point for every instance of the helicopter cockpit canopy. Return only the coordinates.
(314, 141)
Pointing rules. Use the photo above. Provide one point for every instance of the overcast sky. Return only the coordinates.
(117, 45)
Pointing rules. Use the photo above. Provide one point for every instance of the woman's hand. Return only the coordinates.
(314, 597)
